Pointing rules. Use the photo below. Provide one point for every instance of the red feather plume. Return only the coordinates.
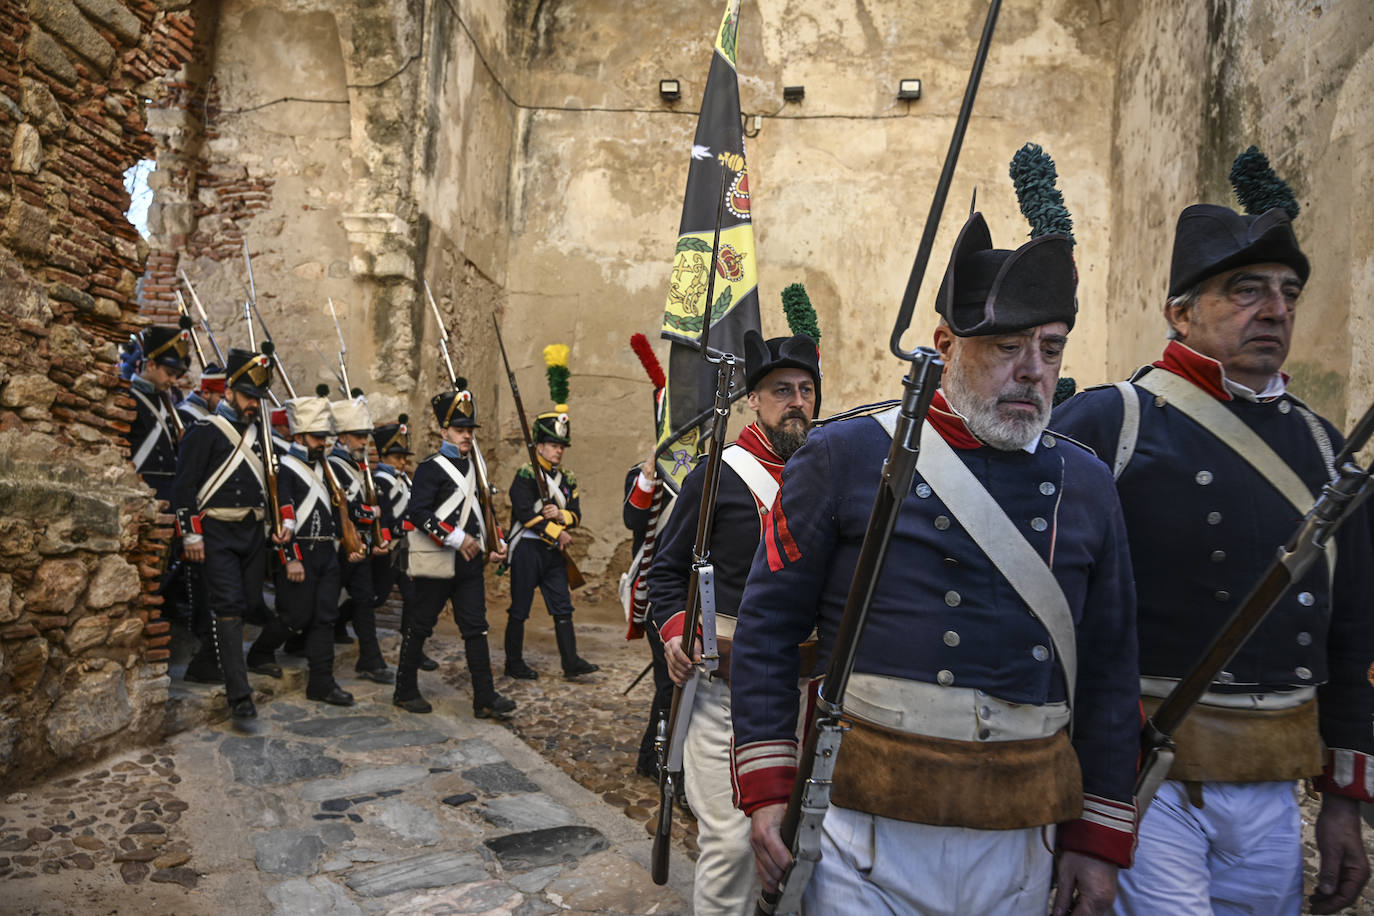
(645, 352)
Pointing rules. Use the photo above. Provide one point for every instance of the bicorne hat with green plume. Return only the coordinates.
(989, 290)
(555, 425)
(800, 351)
(1210, 239)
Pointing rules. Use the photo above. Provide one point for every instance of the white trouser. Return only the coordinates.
(872, 864)
(726, 881)
(1239, 854)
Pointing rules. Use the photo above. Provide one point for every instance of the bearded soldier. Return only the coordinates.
(219, 500)
(392, 441)
(1005, 602)
(539, 535)
(783, 381)
(152, 435)
(448, 543)
(1217, 459)
(307, 585)
(346, 459)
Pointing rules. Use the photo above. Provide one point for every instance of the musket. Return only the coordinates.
(349, 537)
(575, 579)
(269, 468)
(1337, 502)
(204, 319)
(248, 262)
(701, 592)
(443, 337)
(253, 345)
(343, 351)
(187, 325)
(269, 348)
(801, 822)
(332, 371)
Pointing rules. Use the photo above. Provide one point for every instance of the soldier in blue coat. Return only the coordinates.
(1215, 458)
(960, 762)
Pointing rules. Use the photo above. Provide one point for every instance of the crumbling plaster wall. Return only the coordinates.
(840, 183)
(1198, 83)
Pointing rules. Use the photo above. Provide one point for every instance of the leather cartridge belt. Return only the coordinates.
(725, 639)
(235, 513)
(1245, 737)
(955, 757)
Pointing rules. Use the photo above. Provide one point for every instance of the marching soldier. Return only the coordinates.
(202, 402)
(307, 585)
(219, 501)
(448, 545)
(153, 434)
(539, 533)
(1005, 601)
(1211, 431)
(346, 459)
(784, 384)
(392, 441)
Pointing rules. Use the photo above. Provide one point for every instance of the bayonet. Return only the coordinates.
(443, 336)
(195, 340)
(343, 351)
(204, 319)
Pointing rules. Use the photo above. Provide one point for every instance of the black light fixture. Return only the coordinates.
(669, 90)
(909, 90)
(793, 93)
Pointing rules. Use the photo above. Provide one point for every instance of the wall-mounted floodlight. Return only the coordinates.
(909, 90)
(793, 93)
(669, 90)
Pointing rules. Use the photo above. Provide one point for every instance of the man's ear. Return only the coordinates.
(1179, 318)
(944, 341)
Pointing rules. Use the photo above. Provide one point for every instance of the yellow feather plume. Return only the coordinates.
(556, 355)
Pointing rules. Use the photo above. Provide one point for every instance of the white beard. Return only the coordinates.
(982, 418)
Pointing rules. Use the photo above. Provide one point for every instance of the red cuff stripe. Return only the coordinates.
(762, 773)
(674, 626)
(1349, 773)
(789, 546)
(1107, 830)
(641, 498)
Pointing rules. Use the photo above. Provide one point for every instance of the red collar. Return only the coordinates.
(949, 424)
(755, 441)
(1202, 371)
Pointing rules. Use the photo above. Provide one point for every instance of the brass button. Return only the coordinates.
(951, 638)
(1039, 524)
(944, 677)
(942, 522)
(1047, 488)
(952, 599)
(1203, 478)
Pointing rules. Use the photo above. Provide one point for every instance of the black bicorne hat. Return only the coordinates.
(248, 372)
(170, 347)
(799, 351)
(554, 426)
(455, 408)
(393, 438)
(1210, 239)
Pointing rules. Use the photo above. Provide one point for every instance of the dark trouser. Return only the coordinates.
(204, 664)
(235, 563)
(466, 592)
(308, 608)
(535, 564)
(663, 700)
(388, 572)
(356, 578)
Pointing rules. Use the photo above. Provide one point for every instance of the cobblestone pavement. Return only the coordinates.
(321, 810)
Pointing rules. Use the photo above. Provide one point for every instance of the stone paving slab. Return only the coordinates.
(435, 869)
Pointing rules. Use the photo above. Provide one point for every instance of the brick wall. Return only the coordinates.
(82, 651)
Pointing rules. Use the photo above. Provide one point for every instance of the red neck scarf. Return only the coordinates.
(1202, 371)
(949, 424)
(755, 441)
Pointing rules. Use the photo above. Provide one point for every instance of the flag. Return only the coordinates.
(717, 155)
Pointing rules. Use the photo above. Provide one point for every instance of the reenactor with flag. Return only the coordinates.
(347, 459)
(307, 585)
(1212, 432)
(783, 381)
(539, 535)
(1005, 602)
(154, 433)
(450, 537)
(219, 499)
(392, 441)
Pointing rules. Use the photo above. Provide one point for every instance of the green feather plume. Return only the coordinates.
(1258, 187)
(1063, 390)
(556, 359)
(801, 315)
(1034, 175)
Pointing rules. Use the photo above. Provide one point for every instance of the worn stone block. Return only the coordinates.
(26, 152)
(43, 50)
(115, 581)
(27, 228)
(56, 586)
(86, 633)
(436, 869)
(114, 16)
(8, 611)
(536, 848)
(311, 897)
(125, 632)
(64, 20)
(362, 782)
(96, 706)
(263, 762)
(39, 105)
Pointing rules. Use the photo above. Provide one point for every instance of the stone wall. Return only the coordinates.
(82, 652)
(1198, 83)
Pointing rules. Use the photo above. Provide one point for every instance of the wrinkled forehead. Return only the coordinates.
(1271, 272)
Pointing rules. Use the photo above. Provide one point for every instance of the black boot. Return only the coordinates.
(515, 651)
(427, 663)
(262, 655)
(203, 668)
(407, 693)
(573, 665)
(486, 702)
(229, 645)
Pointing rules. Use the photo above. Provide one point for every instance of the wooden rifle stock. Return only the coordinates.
(348, 532)
(269, 471)
(495, 536)
(173, 417)
(575, 579)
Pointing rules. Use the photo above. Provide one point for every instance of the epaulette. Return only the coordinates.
(570, 477)
(864, 411)
(1069, 439)
(526, 471)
